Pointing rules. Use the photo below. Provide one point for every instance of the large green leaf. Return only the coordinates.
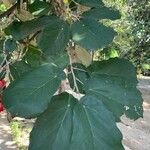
(21, 30)
(54, 126)
(54, 38)
(68, 124)
(31, 94)
(102, 13)
(114, 82)
(90, 3)
(92, 35)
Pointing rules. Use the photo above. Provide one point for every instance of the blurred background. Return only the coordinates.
(133, 40)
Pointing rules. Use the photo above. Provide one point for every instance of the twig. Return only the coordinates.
(9, 11)
(3, 64)
(80, 81)
(8, 72)
(79, 69)
(34, 35)
(73, 74)
(76, 17)
(29, 40)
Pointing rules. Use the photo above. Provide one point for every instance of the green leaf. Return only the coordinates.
(114, 82)
(90, 3)
(39, 8)
(19, 68)
(102, 13)
(30, 95)
(111, 53)
(92, 35)
(61, 60)
(72, 125)
(34, 57)
(21, 30)
(54, 38)
(94, 126)
(54, 126)
(10, 45)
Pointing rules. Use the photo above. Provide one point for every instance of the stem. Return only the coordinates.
(79, 69)
(73, 74)
(29, 40)
(9, 11)
(79, 81)
(8, 73)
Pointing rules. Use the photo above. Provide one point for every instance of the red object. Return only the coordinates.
(1, 107)
(2, 86)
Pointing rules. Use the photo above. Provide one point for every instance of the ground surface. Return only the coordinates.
(136, 134)
(6, 142)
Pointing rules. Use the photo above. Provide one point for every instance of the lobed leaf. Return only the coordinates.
(114, 83)
(71, 125)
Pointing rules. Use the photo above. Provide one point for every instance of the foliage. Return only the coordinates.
(47, 49)
(140, 55)
(133, 37)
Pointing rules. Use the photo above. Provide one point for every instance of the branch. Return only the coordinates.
(9, 11)
(29, 40)
(73, 74)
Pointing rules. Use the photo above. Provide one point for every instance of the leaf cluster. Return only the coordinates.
(47, 50)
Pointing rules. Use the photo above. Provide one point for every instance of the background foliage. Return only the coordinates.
(133, 40)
